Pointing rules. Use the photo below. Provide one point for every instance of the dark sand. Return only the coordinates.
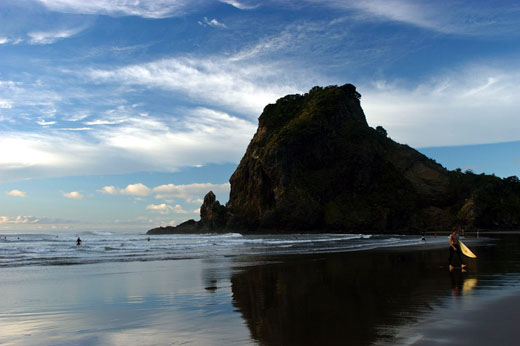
(491, 321)
(390, 296)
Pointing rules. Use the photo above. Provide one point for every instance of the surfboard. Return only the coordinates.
(466, 251)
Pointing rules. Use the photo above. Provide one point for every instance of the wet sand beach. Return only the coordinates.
(386, 296)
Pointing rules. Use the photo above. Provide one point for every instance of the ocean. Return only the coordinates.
(47, 248)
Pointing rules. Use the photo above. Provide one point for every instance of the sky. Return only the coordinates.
(121, 115)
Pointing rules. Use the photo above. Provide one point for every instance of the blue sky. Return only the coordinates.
(122, 114)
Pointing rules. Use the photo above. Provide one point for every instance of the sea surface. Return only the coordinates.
(230, 289)
(47, 248)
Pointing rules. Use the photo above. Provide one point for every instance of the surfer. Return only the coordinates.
(455, 248)
(78, 242)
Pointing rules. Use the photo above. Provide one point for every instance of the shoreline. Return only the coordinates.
(165, 230)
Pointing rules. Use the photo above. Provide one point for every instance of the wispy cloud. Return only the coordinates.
(49, 37)
(73, 195)
(143, 8)
(269, 45)
(242, 5)
(76, 129)
(139, 143)
(31, 96)
(10, 40)
(468, 105)
(219, 81)
(45, 123)
(76, 117)
(17, 193)
(213, 22)
(451, 108)
(474, 18)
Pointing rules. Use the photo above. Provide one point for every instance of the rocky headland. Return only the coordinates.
(314, 165)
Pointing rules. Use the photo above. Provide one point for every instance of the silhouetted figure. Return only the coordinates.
(455, 248)
(148, 238)
(78, 242)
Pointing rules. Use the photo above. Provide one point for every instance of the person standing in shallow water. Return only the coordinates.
(455, 248)
(78, 242)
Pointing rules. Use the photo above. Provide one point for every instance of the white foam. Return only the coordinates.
(100, 246)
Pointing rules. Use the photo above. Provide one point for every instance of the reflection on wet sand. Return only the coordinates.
(344, 299)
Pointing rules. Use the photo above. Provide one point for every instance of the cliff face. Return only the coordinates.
(314, 164)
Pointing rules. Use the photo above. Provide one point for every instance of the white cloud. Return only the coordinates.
(73, 195)
(32, 220)
(45, 123)
(49, 37)
(75, 128)
(102, 122)
(138, 189)
(19, 220)
(179, 210)
(5, 104)
(12, 41)
(17, 193)
(29, 150)
(212, 22)
(143, 8)
(470, 105)
(161, 208)
(166, 209)
(190, 192)
(109, 190)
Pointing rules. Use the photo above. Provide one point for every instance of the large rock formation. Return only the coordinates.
(213, 215)
(314, 164)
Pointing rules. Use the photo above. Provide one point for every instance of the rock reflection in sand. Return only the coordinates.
(351, 298)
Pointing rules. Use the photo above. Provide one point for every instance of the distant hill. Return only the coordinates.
(315, 165)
